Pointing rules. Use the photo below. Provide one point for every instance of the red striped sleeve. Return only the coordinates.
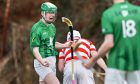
(85, 44)
(92, 47)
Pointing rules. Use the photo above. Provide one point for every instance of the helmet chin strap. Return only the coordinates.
(43, 16)
(45, 20)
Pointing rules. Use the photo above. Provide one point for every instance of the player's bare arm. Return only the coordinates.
(105, 47)
(59, 45)
(102, 64)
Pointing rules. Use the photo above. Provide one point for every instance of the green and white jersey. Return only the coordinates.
(123, 21)
(43, 36)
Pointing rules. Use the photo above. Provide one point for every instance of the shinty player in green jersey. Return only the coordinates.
(121, 27)
(43, 45)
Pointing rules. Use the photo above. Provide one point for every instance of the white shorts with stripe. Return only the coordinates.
(42, 71)
(114, 76)
(81, 74)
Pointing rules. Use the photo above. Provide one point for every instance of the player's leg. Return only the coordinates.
(67, 79)
(41, 82)
(45, 72)
(114, 76)
(39, 70)
(84, 75)
(133, 77)
(51, 79)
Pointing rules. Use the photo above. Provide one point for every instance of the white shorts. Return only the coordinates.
(114, 76)
(42, 71)
(81, 74)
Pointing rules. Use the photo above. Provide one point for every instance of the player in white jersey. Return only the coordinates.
(86, 50)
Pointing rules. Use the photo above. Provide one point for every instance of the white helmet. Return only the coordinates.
(76, 35)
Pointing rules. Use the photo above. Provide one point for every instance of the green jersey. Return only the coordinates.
(43, 36)
(123, 21)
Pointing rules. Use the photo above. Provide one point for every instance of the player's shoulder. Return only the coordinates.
(108, 11)
(135, 6)
(35, 25)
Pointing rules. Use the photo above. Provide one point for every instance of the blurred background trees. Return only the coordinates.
(16, 20)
